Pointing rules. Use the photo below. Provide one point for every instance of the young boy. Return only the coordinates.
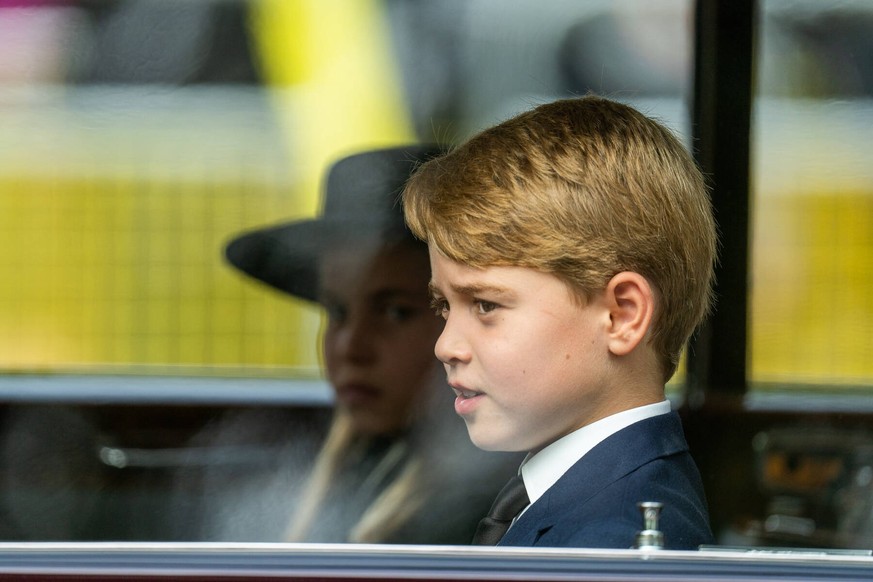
(572, 250)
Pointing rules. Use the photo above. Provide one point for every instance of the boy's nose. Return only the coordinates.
(451, 348)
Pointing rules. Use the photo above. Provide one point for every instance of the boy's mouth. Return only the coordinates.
(466, 400)
(462, 393)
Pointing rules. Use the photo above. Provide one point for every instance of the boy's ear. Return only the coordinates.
(631, 305)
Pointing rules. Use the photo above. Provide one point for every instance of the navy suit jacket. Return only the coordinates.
(594, 504)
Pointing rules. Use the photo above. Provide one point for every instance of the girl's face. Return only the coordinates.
(379, 334)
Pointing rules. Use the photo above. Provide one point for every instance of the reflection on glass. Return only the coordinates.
(139, 136)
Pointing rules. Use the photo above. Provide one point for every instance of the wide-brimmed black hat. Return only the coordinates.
(361, 202)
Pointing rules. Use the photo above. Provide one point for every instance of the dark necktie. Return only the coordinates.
(510, 501)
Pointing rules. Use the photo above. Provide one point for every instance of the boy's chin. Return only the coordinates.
(493, 441)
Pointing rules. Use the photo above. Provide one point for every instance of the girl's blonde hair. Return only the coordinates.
(392, 508)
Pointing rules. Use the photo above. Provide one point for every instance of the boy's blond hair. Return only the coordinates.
(583, 189)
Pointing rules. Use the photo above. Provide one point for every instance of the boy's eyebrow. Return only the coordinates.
(469, 290)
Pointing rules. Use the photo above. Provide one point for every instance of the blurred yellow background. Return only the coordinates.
(112, 239)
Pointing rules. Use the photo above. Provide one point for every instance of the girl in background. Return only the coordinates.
(396, 465)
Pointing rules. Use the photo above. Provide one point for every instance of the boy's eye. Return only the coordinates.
(485, 307)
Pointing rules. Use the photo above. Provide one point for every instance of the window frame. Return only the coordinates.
(721, 138)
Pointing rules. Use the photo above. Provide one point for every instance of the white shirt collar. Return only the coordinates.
(541, 470)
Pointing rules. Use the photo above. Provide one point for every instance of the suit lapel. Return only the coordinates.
(612, 459)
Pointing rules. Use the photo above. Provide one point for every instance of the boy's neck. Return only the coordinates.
(629, 414)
